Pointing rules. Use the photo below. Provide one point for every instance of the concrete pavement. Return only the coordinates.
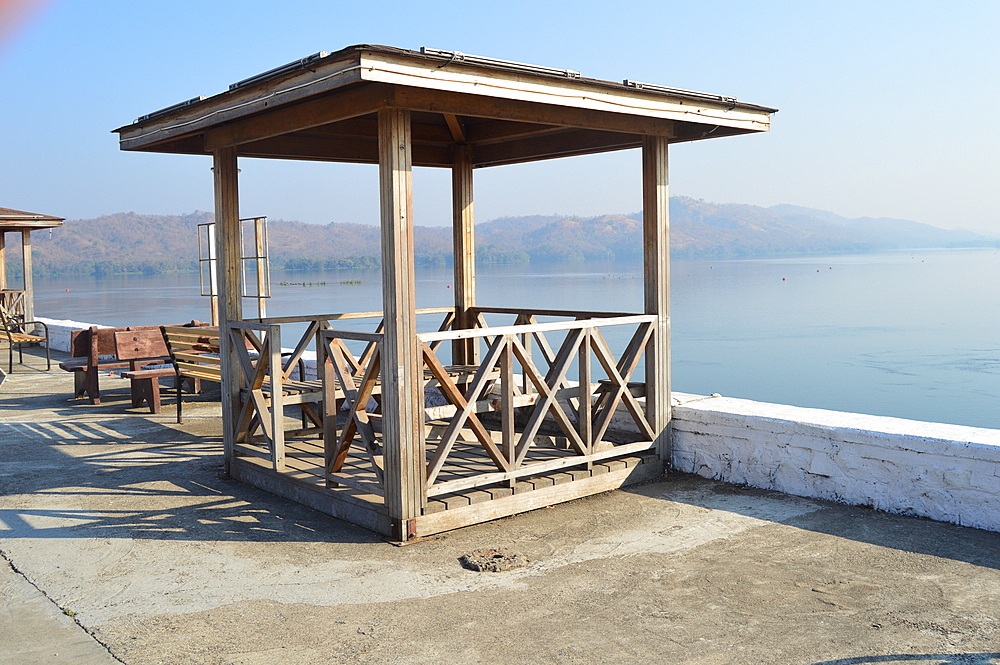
(34, 630)
(119, 518)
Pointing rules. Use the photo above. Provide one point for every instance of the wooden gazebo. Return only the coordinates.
(21, 302)
(525, 417)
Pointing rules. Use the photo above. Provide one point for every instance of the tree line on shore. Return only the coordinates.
(154, 244)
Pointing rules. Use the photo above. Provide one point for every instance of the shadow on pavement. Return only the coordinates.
(901, 532)
(937, 658)
(133, 477)
(94, 471)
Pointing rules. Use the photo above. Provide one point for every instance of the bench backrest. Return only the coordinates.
(139, 344)
(95, 341)
(6, 320)
(7, 325)
(194, 351)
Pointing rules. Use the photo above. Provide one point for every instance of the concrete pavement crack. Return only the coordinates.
(64, 610)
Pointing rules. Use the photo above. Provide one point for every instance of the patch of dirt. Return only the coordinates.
(493, 560)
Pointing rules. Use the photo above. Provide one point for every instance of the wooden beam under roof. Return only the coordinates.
(493, 131)
(528, 118)
(565, 144)
(455, 127)
(367, 127)
(188, 145)
(687, 131)
(329, 149)
(340, 140)
(437, 101)
(323, 110)
(482, 131)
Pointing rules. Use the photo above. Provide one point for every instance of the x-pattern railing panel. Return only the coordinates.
(346, 381)
(547, 387)
(257, 410)
(584, 425)
(466, 404)
(349, 384)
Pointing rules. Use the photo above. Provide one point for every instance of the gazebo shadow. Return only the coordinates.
(857, 523)
(115, 392)
(167, 489)
(938, 658)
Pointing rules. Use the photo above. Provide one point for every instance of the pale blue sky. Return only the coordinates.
(884, 106)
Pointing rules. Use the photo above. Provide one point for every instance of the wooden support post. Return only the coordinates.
(260, 265)
(227, 252)
(656, 276)
(464, 352)
(402, 398)
(585, 419)
(3, 260)
(29, 289)
(277, 405)
(213, 273)
(508, 442)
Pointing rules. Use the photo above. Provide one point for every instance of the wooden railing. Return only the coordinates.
(12, 300)
(580, 410)
(265, 392)
(502, 403)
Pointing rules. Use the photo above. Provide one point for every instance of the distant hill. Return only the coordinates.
(120, 243)
(889, 230)
(712, 230)
(129, 242)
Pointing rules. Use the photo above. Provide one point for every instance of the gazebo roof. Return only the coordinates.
(324, 108)
(19, 220)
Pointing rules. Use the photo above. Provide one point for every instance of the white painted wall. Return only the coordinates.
(945, 472)
(60, 331)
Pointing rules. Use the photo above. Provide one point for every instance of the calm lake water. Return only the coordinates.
(907, 334)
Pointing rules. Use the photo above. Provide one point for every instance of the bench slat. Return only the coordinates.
(149, 373)
(24, 337)
(216, 378)
(198, 358)
(195, 367)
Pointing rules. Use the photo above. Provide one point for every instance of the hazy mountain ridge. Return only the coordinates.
(130, 242)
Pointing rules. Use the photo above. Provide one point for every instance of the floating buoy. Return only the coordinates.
(449, 286)
(67, 290)
(783, 279)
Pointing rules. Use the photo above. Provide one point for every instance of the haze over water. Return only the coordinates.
(912, 334)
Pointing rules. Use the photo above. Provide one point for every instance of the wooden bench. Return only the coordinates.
(145, 386)
(145, 383)
(16, 333)
(195, 355)
(96, 349)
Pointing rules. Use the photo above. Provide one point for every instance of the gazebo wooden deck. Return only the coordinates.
(527, 399)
